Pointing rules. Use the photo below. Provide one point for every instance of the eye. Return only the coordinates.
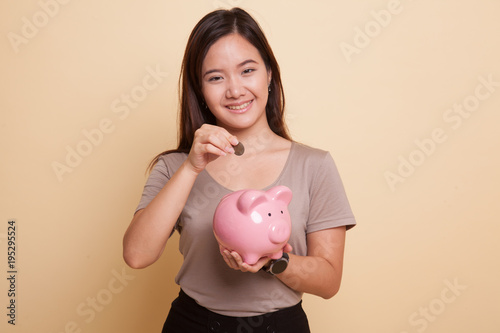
(268, 214)
(281, 212)
(215, 78)
(248, 71)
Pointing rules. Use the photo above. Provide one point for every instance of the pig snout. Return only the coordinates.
(279, 232)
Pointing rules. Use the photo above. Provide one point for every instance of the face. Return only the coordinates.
(235, 83)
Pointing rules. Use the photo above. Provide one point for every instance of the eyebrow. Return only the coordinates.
(248, 61)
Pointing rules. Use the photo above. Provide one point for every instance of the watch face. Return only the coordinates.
(279, 266)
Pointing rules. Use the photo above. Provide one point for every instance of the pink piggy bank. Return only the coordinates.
(254, 223)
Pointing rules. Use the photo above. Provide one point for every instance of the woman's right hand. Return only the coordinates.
(210, 142)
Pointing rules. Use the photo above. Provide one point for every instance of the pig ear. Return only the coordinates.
(280, 193)
(250, 199)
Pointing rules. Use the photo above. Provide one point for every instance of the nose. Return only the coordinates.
(235, 88)
(279, 232)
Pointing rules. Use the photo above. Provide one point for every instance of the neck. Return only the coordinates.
(257, 142)
(260, 131)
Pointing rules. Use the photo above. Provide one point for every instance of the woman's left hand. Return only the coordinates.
(234, 260)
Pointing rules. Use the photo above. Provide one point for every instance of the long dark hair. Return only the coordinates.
(210, 29)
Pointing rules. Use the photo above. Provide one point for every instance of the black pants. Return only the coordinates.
(186, 316)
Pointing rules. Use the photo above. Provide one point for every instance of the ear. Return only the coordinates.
(269, 77)
(280, 193)
(249, 200)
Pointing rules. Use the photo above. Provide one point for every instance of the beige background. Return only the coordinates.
(370, 81)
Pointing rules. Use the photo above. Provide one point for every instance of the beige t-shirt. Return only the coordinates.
(319, 202)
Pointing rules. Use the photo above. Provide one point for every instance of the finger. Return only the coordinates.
(209, 148)
(246, 268)
(233, 140)
(219, 141)
(237, 258)
(288, 248)
(219, 137)
(212, 145)
(257, 266)
(230, 261)
(241, 265)
(226, 259)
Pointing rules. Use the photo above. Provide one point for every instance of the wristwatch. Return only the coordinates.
(278, 265)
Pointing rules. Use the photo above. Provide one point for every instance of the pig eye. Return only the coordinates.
(281, 212)
(268, 214)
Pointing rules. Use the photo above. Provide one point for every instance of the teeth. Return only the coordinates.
(239, 107)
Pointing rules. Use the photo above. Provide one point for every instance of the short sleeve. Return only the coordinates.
(329, 206)
(159, 176)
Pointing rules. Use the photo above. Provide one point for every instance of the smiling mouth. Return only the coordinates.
(239, 107)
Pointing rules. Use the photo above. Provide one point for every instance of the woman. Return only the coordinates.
(231, 92)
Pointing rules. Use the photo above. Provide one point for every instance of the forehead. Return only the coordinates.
(229, 51)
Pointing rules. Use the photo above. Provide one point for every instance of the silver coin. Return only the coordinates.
(239, 149)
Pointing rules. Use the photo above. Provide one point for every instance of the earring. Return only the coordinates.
(269, 88)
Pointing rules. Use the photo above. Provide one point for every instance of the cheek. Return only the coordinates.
(212, 94)
(260, 86)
